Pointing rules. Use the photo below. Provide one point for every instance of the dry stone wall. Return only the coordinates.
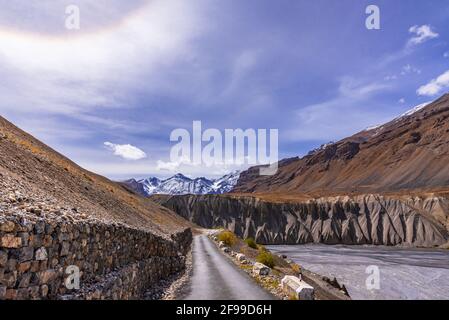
(115, 261)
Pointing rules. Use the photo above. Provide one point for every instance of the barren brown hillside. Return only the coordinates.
(410, 153)
(35, 178)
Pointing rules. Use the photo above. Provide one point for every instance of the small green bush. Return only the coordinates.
(251, 243)
(228, 238)
(266, 258)
(296, 268)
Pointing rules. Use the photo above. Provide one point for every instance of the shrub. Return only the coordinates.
(296, 268)
(266, 258)
(228, 238)
(292, 297)
(251, 243)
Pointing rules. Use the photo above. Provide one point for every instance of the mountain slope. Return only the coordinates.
(50, 182)
(180, 184)
(409, 153)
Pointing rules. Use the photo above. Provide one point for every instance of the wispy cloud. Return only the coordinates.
(126, 151)
(72, 74)
(435, 86)
(135, 77)
(421, 34)
(407, 69)
(340, 115)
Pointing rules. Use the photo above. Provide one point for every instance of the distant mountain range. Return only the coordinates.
(180, 184)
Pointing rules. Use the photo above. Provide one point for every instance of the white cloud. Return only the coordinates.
(173, 166)
(241, 67)
(422, 34)
(80, 72)
(409, 69)
(446, 54)
(390, 77)
(185, 165)
(126, 151)
(402, 101)
(435, 86)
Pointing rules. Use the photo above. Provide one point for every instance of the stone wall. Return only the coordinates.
(115, 261)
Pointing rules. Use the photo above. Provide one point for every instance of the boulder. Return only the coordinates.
(26, 254)
(297, 288)
(261, 269)
(65, 248)
(3, 258)
(41, 254)
(7, 226)
(225, 249)
(241, 257)
(10, 241)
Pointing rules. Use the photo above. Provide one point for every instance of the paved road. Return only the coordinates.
(217, 278)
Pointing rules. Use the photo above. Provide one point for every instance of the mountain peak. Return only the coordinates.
(180, 184)
(179, 175)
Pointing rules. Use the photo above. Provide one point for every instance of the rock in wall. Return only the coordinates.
(115, 261)
(368, 219)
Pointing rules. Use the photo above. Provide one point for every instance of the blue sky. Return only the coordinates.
(137, 70)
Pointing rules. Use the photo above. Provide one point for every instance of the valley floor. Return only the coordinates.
(404, 273)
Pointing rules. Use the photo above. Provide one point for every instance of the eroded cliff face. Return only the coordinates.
(357, 220)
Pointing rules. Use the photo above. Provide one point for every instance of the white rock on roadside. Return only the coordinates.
(261, 269)
(298, 288)
(226, 250)
(240, 257)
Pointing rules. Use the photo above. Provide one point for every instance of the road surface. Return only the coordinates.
(217, 278)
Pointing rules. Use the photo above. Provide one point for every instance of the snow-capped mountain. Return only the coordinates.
(414, 110)
(180, 184)
(322, 147)
(226, 183)
(405, 114)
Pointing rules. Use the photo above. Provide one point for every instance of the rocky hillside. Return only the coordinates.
(409, 153)
(55, 215)
(356, 220)
(36, 171)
